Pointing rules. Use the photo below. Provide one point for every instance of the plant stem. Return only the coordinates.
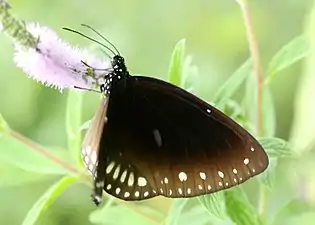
(43, 152)
(254, 52)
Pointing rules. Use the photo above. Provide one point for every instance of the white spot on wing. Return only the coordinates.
(123, 176)
(110, 167)
(202, 175)
(182, 176)
(235, 171)
(157, 137)
(142, 181)
(131, 179)
(221, 174)
(246, 161)
(116, 173)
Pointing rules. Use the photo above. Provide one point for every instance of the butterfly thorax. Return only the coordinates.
(116, 77)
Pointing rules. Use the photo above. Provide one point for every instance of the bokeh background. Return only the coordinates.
(145, 32)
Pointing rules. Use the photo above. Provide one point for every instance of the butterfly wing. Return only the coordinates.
(161, 140)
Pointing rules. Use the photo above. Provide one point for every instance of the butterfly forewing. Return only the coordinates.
(161, 140)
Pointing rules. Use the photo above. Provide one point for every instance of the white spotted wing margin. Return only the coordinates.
(90, 149)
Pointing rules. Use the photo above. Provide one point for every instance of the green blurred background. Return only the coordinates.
(145, 32)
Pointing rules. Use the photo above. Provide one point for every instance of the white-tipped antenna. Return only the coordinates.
(99, 34)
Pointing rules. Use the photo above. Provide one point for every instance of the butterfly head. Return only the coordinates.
(118, 64)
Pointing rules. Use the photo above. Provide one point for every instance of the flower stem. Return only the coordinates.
(15, 28)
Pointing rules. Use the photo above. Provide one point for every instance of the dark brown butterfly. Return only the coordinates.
(150, 138)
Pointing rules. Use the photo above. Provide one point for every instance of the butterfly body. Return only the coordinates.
(158, 139)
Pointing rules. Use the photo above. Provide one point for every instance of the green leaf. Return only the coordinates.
(269, 113)
(214, 204)
(249, 102)
(232, 84)
(307, 218)
(176, 211)
(29, 156)
(47, 199)
(240, 209)
(294, 208)
(268, 177)
(3, 125)
(189, 75)
(289, 54)
(113, 215)
(176, 65)
(276, 147)
(302, 131)
(73, 123)
(16, 176)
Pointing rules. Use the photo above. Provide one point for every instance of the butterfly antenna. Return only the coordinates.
(99, 34)
(93, 68)
(87, 37)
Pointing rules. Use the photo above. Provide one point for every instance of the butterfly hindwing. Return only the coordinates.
(161, 140)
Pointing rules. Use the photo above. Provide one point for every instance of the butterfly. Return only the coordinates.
(150, 138)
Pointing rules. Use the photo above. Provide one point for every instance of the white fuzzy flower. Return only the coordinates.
(55, 63)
